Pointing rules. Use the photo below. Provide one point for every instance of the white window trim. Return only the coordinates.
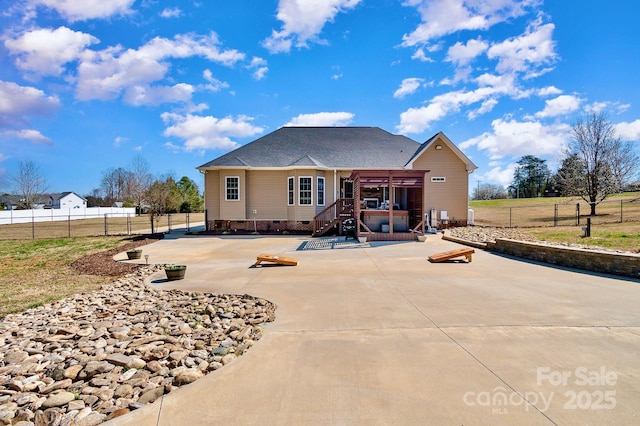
(324, 190)
(226, 188)
(438, 179)
(291, 188)
(311, 191)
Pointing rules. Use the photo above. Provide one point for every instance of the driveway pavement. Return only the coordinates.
(377, 335)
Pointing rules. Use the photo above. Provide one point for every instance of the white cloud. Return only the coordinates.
(45, 51)
(208, 132)
(549, 91)
(524, 53)
(421, 56)
(628, 131)
(106, 73)
(516, 138)
(259, 67)
(157, 95)
(408, 86)
(562, 105)
(75, 10)
(18, 101)
(119, 140)
(172, 12)
(302, 21)
(501, 175)
(322, 119)
(442, 17)
(416, 120)
(214, 85)
(462, 54)
(487, 106)
(18, 104)
(30, 135)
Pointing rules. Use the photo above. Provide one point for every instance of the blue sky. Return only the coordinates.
(90, 85)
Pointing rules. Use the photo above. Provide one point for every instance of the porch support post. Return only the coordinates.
(356, 203)
(424, 200)
(390, 202)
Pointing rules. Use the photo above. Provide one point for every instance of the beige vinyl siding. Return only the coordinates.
(267, 193)
(451, 195)
(233, 209)
(212, 195)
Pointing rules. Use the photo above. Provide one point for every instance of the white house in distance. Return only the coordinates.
(66, 200)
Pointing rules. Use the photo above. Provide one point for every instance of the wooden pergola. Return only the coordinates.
(413, 180)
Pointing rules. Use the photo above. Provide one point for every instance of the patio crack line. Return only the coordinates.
(460, 345)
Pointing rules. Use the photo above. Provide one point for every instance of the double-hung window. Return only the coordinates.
(305, 194)
(232, 188)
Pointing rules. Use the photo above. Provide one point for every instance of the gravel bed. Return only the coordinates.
(91, 357)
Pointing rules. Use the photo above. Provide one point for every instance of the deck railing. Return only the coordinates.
(335, 213)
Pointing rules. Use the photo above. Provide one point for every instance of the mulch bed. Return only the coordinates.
(102, 263)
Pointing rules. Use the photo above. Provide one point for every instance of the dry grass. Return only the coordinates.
(536, 215)
(37, 271)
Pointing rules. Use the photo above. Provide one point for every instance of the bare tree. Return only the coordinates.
(28, 183)
(595, 144)
(161, 199)
(141, 181)
(117, 185)
(489, 191)
(623, 161)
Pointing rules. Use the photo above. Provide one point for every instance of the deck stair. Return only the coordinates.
(333, 215)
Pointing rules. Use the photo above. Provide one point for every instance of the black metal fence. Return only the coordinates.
(65, 226)
(558, 214)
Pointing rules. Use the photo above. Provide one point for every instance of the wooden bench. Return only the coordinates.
(452, 254)
(278, 260)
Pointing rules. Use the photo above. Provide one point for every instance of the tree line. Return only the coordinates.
(596, 164)
(133, 186)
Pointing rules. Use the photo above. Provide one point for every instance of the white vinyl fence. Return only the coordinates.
(51, 215)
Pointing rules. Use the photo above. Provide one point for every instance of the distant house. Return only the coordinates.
(314, 178)
(66, 200)
(9, 202)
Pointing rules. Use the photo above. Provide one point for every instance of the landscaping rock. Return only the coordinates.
(89, 357)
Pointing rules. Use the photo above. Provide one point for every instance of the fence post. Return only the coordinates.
(33, 225)
(510, 217)
(620, 211)
(577, 214)
(206, 221)
(128, 223)
(169, 222)
(106, 225)
(555, 215)
(69, 223)
(187, 220)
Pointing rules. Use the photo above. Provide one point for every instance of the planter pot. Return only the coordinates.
(134, 254)
(175, 272)
(362, 240)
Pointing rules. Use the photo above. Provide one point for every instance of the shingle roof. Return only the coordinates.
(329, 147)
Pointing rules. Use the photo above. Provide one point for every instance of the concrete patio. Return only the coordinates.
(375, 334)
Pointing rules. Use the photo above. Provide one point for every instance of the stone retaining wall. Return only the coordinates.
(625, 264)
